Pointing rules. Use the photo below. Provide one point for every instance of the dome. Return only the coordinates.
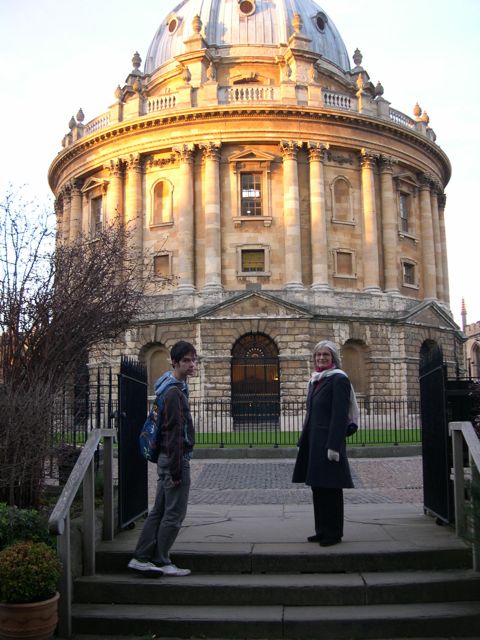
(226, 23)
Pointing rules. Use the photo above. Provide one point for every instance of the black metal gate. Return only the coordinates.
(255, 382)
(132, 467)
(436, 450)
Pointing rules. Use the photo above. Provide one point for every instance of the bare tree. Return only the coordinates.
(55, 306)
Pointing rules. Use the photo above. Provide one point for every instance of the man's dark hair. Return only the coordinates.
(180, 349)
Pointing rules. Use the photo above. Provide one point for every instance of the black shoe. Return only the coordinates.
(329, 542)
(315, 538)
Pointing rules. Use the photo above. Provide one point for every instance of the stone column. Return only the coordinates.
(443, 239)
(437, 243)
(318, 218)
(67, 201)
(58, 208)
(115, 191)
(371, 271)
(134, 205)
(428, 246)
(291, 216)
(75, 211)
(389, 227)
(213, 236)
(185, 219)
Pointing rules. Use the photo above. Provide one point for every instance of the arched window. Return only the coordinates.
(341, 201)
(354, 364)
(158, 362)
(162, 210)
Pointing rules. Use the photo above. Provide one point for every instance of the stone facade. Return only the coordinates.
(287, 196)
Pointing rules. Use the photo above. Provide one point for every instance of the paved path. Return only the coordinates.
(262, 481)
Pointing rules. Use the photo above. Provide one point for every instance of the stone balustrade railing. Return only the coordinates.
(400, 118)
(245, 94)
(160, 103)
(97, 123)
(334, 100)
(248, 93)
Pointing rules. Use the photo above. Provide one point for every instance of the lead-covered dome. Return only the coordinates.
(228, 23)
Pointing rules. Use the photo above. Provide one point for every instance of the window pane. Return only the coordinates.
(344, 264)
(408, 273)
(161, 203)
(253, 260)
(251, 194)
(404, 206)
(342, 200)
(96, 214)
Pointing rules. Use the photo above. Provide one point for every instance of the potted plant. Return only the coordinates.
(29, 573)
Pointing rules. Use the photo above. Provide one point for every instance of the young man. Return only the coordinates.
(152, 553)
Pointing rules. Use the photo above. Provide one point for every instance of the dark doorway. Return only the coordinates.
(255, 381)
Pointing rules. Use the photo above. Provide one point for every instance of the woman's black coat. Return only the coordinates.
(324, 428)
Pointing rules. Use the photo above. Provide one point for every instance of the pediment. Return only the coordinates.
(93, 183)
(249, 155)
(431, 314)
(254, 305)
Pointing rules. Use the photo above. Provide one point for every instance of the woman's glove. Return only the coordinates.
(333, 456)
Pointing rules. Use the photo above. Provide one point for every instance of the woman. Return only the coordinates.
(322, 459)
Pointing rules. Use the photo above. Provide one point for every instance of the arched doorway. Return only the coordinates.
(255, 380)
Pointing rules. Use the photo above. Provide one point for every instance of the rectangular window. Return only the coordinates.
(253, 260)
(408, 273)
(161, 265)
(251, 194)
(96, 215)
(404, 212)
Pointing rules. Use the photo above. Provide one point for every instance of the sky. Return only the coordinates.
(58, 56)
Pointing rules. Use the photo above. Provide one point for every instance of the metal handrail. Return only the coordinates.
(459, 432)
(83, 474)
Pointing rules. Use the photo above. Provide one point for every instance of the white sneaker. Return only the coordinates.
(172, 570)
(140, 565)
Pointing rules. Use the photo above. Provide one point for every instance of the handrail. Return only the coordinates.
(83, 473)
(459, 432)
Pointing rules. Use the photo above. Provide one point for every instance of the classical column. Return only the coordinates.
(114, 191)
(134, 205)
(437, 241)
(75, 211)
(185, 219)
(371, 272)
(213, 236)
(428, 245)
(443, 239)
(389, 227)
(291, 216)
(318, 218)
(67, 201)
(58, 208)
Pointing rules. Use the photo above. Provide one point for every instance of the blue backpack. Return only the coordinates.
(149, 438)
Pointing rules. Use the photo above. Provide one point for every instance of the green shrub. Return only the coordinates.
(23, 524)
(29, 572)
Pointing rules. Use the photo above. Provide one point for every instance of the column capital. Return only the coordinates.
(442, 200)
(184, 152)
(211, 149)
(289, 148)
(135, 162)
(317, 150)
(426, 181)
(368, 158)
(386, 163)
(75, 185)
(115, 167)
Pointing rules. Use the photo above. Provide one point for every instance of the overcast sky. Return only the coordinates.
(58, 56)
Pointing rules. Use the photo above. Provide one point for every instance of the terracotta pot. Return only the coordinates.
(30, 621)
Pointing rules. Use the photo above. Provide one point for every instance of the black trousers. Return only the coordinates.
(328, 512)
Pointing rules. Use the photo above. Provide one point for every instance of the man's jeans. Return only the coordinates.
(166, 516)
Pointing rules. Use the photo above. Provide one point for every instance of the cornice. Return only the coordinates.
(154, 121)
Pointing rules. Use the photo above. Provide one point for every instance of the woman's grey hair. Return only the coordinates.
(331, 346)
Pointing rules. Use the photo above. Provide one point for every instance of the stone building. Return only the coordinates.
(472, 345)
(280, 187)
